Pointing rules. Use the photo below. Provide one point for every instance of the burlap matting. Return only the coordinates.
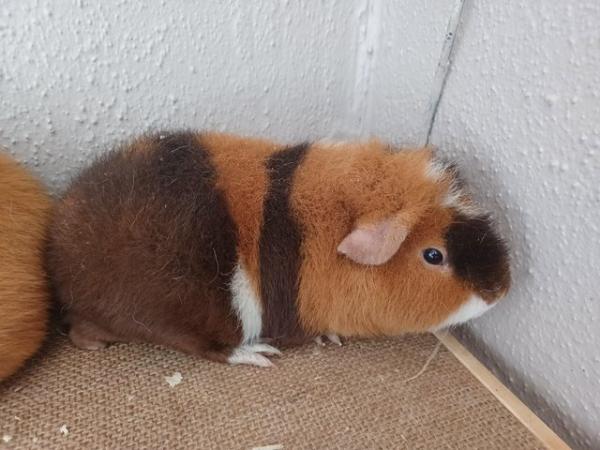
(353, 397)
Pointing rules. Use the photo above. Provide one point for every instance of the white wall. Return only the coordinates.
(402, 43)
(404, 85)
(78, 75)
(520, 110)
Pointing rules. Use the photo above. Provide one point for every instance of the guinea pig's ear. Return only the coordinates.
(375, 243)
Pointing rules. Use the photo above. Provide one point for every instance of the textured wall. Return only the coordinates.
(405, 68)
(399, 45)
(79, 75)
(521, 109)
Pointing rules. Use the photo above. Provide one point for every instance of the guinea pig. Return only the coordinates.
(214, 245)
(24, 296)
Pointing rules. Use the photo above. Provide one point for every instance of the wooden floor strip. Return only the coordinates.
(533, 423)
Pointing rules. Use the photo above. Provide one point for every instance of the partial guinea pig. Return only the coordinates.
(214, 245)
(24, 296)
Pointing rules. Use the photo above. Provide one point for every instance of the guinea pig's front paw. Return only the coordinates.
(253, 354)
(332, 337)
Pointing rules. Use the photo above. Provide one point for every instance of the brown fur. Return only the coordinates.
(478, 256)
(143, 248)
(24, 297)
(279, 248)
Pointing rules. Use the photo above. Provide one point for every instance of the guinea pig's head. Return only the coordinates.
(434, 257)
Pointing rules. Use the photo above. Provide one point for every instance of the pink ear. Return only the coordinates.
(374, 244)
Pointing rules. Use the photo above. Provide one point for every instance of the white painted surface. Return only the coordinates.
(521, 109)
(410, 43)
(246, 305)
(78, 75)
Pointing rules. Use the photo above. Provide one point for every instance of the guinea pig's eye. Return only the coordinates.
(433, 256)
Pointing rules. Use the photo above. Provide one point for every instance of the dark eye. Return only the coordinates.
(433, 256)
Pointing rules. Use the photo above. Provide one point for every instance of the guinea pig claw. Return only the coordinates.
(251, 354)
(264, 348)
(332, 337)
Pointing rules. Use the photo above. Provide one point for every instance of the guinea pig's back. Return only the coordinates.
(24, 294)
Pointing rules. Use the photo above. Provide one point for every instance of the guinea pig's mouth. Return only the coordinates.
(474, 307)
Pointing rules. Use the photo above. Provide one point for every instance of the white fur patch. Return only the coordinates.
(470, 210)
(453, 198)
(436, 170)
(472, 308)
(246, 305)
(456, 198)
(251, 355)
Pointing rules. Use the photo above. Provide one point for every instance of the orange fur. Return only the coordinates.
(24, 297)
(240, 165)
(339, 187)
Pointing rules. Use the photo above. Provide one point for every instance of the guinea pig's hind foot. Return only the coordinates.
(253, 354)
(332, 337)
(89, 337)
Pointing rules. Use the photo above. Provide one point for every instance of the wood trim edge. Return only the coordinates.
(510, 401)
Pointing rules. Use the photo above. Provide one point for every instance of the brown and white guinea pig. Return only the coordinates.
(24, 297)
(214, 245)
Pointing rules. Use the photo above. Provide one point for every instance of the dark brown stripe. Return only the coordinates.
(206, 234)
(155, 243)
(188, 180)
(478, 255)
(279, 247)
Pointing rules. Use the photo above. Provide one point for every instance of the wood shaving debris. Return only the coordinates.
(424, 368)
(174, 379)
(17, 388)
(35, 440)
(269, 447)
(18, 419)
(64, 430)
(130, 398)
(6, 438)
